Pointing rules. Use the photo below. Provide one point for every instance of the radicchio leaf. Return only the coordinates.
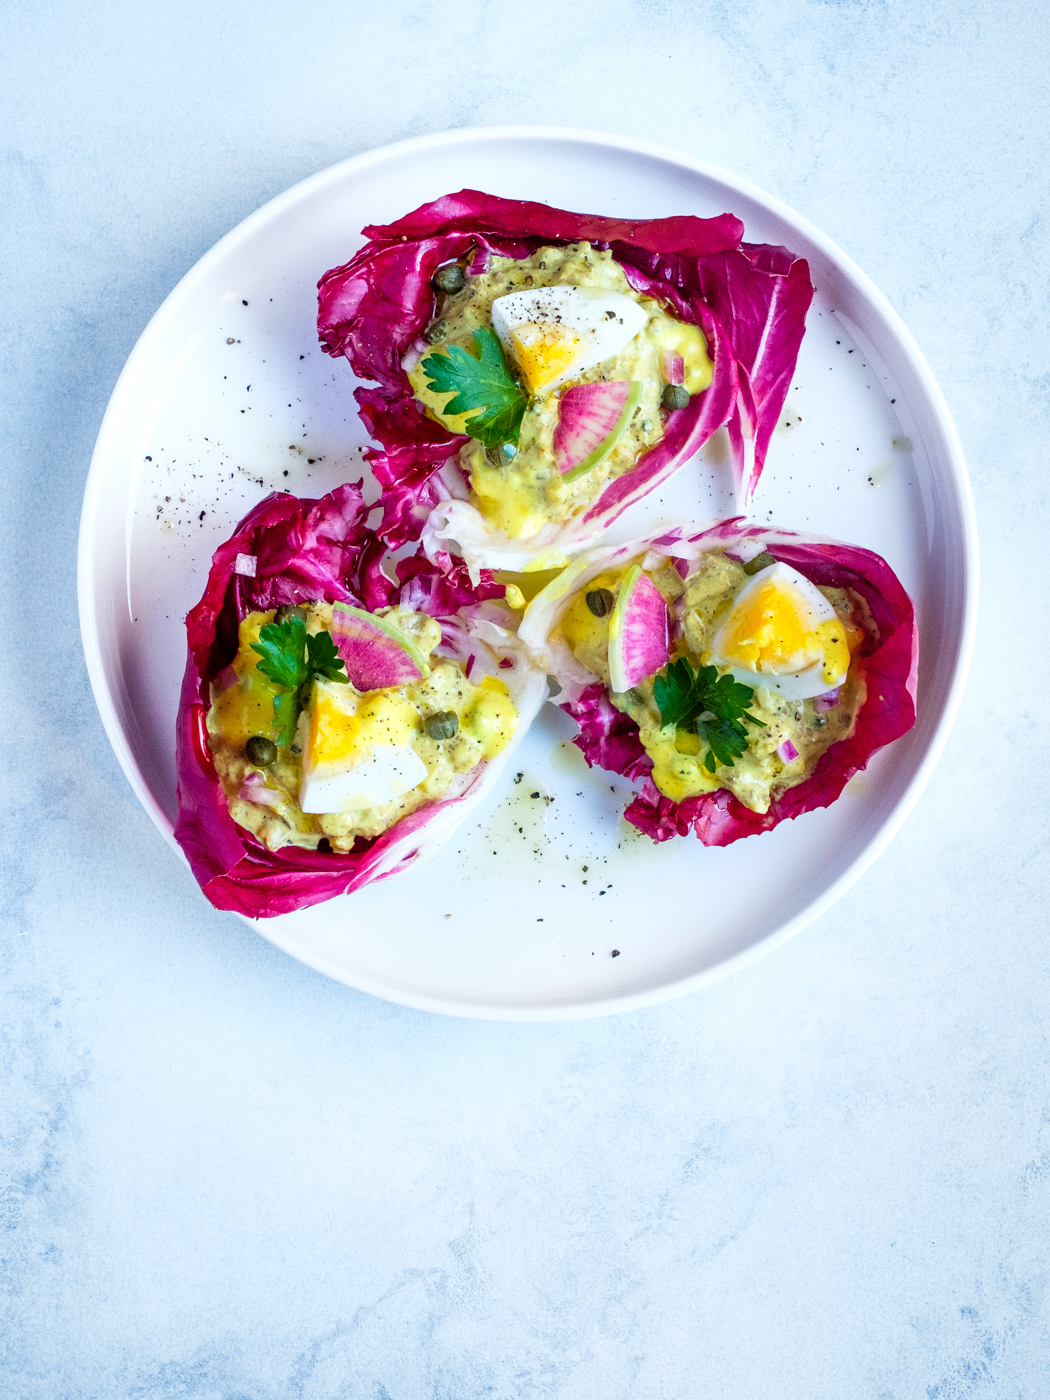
(750, 300)
(888, 657)
(608, 738)
(308, 549)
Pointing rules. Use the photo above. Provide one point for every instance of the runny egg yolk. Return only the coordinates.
(544, 352)
(557, 333)
(338, 737)
(781, 625)
(358, 755)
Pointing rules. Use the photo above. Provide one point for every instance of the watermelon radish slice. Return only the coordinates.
(591, 422)
(638, 643)
(376, 653)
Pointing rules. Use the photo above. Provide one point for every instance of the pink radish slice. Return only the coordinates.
(672, 367)
(377, 654)
(638, 642)
(591, 420)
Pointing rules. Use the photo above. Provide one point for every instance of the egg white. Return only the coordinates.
(386, 771)
(586, 324)
(803, 684)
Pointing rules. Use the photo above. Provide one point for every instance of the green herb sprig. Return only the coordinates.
(292, 659)
(480, 382)
(712, 706)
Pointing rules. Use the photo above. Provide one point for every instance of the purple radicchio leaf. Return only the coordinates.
(750, 300)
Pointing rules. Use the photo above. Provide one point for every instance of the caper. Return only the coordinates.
(435, 333)
(443, 725)
(760, 562)
(600, 601)
(287, 610)
(675, 396)
(261, 751)
(449, 279)
(500, 456)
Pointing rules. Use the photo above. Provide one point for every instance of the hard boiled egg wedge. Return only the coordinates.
(357, 749)
(556, 333)
(782, 634)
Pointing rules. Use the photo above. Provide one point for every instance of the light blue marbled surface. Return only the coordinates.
(222, 1175)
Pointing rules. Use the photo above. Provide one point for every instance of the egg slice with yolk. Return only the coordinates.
(358, 750)
(554, 334)
(782, 634)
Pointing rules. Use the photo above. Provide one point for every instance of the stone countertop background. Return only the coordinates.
(222, 1176)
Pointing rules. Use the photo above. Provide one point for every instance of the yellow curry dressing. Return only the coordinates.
(701, 602)
(487, 719)
(520, 494)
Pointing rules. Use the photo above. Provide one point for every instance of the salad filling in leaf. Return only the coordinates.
(477, 317)
(472, 384)
(340, 714)
(792, 659)
(344, 763)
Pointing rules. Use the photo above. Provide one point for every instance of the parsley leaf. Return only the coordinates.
(704, 703)
(323, 659)
(282, 645)
(291, 658)
(482, 381)
(286, 712)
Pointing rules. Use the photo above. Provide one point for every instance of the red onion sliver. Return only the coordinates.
(226, 677)
(412, 356)
(787, 751)
(246, 564)
(745, 550)
(672, 367)
(254, 789)
(827, 701)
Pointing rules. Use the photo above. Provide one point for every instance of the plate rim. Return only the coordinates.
(334, 174)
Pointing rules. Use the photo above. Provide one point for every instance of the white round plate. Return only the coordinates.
(227, 397)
